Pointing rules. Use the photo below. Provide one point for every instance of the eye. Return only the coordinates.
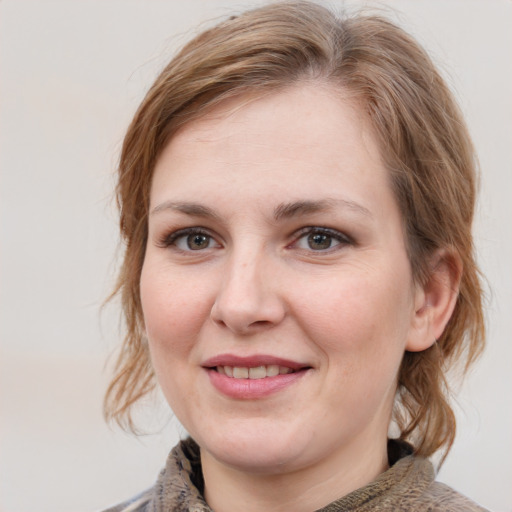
(194, 242)
(321, 239)
(192, 239)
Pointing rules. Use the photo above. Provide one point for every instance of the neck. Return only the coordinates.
(228, 489)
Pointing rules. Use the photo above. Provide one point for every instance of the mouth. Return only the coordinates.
(253, 372)
(253, 377)
(253, 367)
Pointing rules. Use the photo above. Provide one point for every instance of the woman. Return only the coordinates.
(296, 195)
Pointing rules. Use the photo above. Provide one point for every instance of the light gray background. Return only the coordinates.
(72, 74)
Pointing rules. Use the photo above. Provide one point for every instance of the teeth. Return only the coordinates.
(260, 372)
(256, 372)
(240, 372)
(272, 370)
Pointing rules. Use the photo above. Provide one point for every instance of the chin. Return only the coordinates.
(263, 450)
(257, 459)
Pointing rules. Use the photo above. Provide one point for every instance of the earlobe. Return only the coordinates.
(435, 300)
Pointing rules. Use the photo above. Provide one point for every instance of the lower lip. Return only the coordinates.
(250, 389)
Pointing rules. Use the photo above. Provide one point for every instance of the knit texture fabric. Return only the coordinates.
(408, 485)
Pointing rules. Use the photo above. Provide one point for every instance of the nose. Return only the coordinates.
(248, 299)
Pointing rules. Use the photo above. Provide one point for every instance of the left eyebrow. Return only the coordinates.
(298, 208)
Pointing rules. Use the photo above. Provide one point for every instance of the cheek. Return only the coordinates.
(360, 327)
(361, 314)
(174, 308)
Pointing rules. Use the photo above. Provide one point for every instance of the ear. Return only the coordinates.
(434, 300)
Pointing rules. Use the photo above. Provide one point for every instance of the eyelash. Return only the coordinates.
(334, 234)
(170, 239)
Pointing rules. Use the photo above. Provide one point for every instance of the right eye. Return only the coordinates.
(194, 242)
(190, 240)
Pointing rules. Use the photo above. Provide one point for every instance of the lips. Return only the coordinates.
(252, 377)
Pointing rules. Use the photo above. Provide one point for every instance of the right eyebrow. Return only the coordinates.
(193, 209)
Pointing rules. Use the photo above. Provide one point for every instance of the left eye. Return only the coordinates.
(321, 240)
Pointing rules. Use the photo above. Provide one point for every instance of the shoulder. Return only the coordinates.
(139, 503)
(412, 484)
(178, 487)
(442, 498)
(415, 488)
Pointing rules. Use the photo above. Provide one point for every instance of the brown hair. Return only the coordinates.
(423, 140)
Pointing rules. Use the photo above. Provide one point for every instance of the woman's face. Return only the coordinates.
(276, 290)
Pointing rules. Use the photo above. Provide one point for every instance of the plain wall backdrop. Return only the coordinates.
(71, 76)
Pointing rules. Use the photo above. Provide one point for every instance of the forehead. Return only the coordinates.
(303, 139)
(304, 113)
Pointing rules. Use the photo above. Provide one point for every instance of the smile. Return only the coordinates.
(254, 372)
(254, 377)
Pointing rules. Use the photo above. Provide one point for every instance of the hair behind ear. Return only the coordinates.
(422, 410)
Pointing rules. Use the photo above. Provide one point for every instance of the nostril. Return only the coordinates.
(220, 322)
(261, 323)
